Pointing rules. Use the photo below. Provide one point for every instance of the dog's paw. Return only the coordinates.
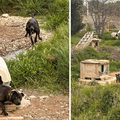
(6, 114)
(40, 38)
(26, 35)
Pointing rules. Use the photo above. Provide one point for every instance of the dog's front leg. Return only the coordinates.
(3, 108)
(39, 37)
(30, 35)
(35, 38)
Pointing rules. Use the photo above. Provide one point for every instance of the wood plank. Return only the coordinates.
(11, 118)
(9, 108)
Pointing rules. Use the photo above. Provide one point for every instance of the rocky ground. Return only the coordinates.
(37, 106)
(13, 38)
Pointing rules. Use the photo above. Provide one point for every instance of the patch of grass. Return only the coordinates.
(110, 43)
(74, 41)
(94, 103)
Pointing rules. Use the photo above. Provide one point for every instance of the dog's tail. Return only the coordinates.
(31, 13)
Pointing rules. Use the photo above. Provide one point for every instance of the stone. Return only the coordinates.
(32, 96)
(5, 15)
(24, 103)
(43, 97)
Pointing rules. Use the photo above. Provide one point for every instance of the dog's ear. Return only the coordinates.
(22, 94)
(116, 75)
(1, 82)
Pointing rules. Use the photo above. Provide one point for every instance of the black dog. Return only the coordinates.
(8, 94)
(32, 27)
(117, 78)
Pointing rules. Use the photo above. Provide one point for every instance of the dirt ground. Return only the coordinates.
(42, 107)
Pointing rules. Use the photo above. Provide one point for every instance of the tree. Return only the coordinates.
(76, 16)
(98, 12)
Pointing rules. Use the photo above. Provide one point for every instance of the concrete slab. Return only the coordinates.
(105, 82)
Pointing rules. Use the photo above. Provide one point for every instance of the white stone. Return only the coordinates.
(62, 112)
(5, 15)
(57, 112)
(32, 96)
(24, 103)
(43, 97)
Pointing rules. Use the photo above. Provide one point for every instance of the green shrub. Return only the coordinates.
(114, 113)
(106, 101)
(89, 27)
(106, 36)
(117, 43)
(95, 103)
(91, 52)
(93, 83)
(59, 12)
(115, 66)
(115, 30)
(105, 55)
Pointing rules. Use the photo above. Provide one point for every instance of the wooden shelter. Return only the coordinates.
(97, 70)
(93, 69)
(95, 42)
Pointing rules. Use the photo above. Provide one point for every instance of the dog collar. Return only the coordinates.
(10, 94)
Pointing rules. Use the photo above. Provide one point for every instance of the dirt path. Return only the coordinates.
(12, 38)
(42, 107)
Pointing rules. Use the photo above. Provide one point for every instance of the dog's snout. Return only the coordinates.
(18, 103)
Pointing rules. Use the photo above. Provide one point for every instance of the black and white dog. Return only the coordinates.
(32, 27)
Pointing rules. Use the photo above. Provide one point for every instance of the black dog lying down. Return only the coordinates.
(117, 78)
(8, 94)
(32, 27)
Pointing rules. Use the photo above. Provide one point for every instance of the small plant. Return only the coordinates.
(93, 83)
(89, 27)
